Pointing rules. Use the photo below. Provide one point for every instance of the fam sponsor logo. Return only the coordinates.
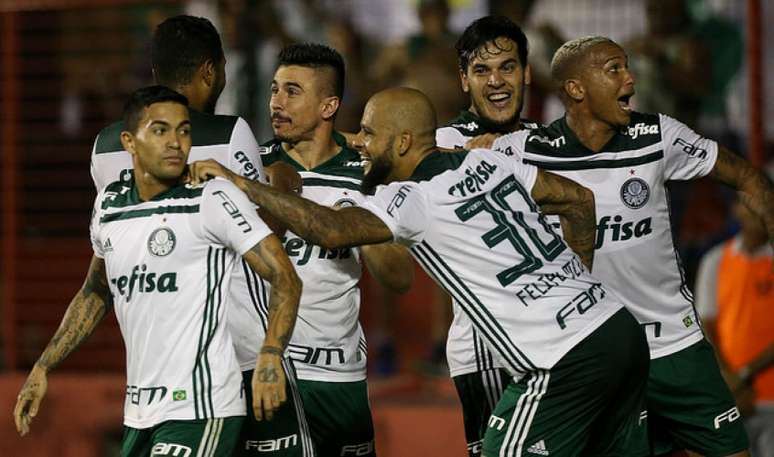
(358, 449)
(495, 422)
(690, 148)
(272, 445)
(142, 281)
(640, 129)
(727, 416)
(171, 449)
(316, 355)
(161, 242)
(553, 142)
(580, 304)
(635, 193)
(398, 199)
(135, 394)
(233, 211)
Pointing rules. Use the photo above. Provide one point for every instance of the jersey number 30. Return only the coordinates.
(510, 226)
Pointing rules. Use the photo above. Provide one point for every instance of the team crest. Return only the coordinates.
(635, 193)
(125, 175)
(161, 242)
(344, 203)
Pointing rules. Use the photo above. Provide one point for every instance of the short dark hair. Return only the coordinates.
(181, 44)
(485, 30)
(145, 97)
(315, 55)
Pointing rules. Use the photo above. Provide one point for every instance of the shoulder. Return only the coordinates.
(109, 139)
(210, 129)
(437, 163)
(217, 185)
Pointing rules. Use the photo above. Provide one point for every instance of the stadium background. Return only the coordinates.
(67, 66)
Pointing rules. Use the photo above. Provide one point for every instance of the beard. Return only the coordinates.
(376, 176)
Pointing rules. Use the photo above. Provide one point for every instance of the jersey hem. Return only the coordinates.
(469, 369)
(148, 423)
(688, 341)
(355, 377)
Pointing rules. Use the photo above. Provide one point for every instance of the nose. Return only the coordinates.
(357, 141)
(495, 79)
(276, 101)
(629, 78)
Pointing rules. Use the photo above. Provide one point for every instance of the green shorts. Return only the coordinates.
(339, 416)
(690, 405)
(286, 434)
(213, 437)
(589, 404)
(479, 392)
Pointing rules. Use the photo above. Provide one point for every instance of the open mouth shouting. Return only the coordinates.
(623, 102)
(499, 99)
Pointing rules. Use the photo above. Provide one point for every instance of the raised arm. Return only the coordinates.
(317, 224)
(752, 186)
(270, 261)
(574, 204)
(85, 311)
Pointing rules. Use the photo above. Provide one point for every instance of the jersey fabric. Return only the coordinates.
(635, 253)
(228, 140)
(169, 262)
(328, 343)
(466, 351)
(472, 225)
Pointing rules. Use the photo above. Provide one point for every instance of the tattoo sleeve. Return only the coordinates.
(753, 188)
(85, 311)
(269, 260)
(315, 223)
(574, 204)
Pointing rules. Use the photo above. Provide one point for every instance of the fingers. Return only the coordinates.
(21, 416)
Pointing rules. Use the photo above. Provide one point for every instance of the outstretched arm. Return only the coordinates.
(270, 261)
(317, 224)
(86, 310)
(753, 188)
(574, 204)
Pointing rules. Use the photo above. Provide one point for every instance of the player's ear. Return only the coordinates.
(329, 107)
(405, 143)
(527, 75)
(574, 89)
(464, 81)
(208, 72)
(127, 141)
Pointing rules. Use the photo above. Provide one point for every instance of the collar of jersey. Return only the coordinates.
(436, 163)
(346, 154)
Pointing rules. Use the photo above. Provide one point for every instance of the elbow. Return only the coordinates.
(587, 201)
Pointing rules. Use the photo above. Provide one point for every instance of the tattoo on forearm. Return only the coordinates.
(271, 350)
(83, 314)
(285, 295)
(318, 224)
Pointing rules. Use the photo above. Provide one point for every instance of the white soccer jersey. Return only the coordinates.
(228, 140)
(466, 352)
(472, 225)
(169, 262)
(328, 343)
(635, 252)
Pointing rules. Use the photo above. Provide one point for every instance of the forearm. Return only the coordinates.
(81, 318)
(303, 217)
(578, 228)
(760, 363)
(390, 264)
(283, 310)
(757, 193)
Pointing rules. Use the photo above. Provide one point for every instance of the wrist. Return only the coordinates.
(40, 367)
(271, 350)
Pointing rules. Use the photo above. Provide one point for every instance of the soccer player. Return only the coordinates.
(578, 359)
(187, 56)
(328, 347)
(626, 158)
(163, 259)
(492, 54)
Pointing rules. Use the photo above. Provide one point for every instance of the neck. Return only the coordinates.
(315, 151)
(591, 132)
(751, 242)
(402, 173)
(196, 101)
(148, 186)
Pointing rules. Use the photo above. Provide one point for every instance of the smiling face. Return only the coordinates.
(495, 80)
(161, 144)
(608, 84)
(377, 144)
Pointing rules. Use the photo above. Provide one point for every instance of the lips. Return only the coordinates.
(499, 99)
(277, 118)
(623, 103)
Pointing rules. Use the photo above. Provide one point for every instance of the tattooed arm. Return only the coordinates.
(753, 188)
(574, 204)
(317, 224)
(86, 310)
(269, 260)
